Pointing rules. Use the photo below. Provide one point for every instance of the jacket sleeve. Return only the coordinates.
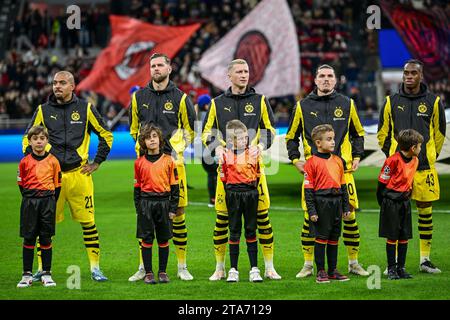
(174, 188)
(137, 188)
(309, 189)
(187, 118)
(356, 132)
(295, 129)
(133, 118)
(439, 126)
(211, 136)
(36, 120)
(385, 129)
(266, 125)
(105, 136)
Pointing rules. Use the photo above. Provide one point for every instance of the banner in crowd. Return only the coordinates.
(426, 33)
(267, 39)
(125, 62)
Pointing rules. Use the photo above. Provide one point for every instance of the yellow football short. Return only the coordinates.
(263, 190)
(351, 190)
(78, 190)
(183, 202)
(426, 185)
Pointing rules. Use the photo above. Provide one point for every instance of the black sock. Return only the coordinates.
(332, 253)
(46, 255)
(390, 252)
(234, 255)
(163, 253)
(401, 258)
(147, 258)
(252, 249)
(319, 254)
(27, 256)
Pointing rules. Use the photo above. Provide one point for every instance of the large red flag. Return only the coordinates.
(124, 63)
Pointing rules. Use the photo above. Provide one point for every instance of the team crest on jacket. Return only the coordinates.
(338, 112)
(249, 108)
(135, 57)
(422, 108)
(168, 106)
(75, 116)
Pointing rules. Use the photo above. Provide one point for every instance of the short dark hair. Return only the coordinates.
(146, 132)
(415, 61)
(408, 138)
(318, 131)
(325, 66)
(160, 55)
(36, 130)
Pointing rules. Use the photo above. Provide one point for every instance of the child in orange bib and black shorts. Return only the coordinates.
(327, 201)
(239, 171)
(156, 195)
(393, 194)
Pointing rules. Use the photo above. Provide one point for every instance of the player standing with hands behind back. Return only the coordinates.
(327, 201)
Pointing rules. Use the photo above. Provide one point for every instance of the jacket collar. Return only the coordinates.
(170, 86)
(313, 95)
(52, 100)
(248, 92)
(422, 92)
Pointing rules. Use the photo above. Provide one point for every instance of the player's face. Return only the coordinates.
(412, 75)
(62, 87)
(159, 69)
(239, 75)
(326, 144)
(240, 140)
(325, 81)
(38, 143)
(152, 143)
(416, 149)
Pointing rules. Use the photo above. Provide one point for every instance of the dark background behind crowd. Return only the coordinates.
(332, 32)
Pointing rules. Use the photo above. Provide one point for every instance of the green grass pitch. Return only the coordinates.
(115, 219)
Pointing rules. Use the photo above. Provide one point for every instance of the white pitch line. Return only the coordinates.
(299, 209)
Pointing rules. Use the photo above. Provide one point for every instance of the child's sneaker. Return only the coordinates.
(255, 275)
(392, 273)
(322, 277)
(335, 275)
(149, 278)
(26, 281)
(163, 277)
(402, 274)
(233, 275)
(47, 280)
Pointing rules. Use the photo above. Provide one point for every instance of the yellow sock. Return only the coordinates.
(425, 232)
(265, 235)
(220, 238)
(38, 253)
(180, 238)
(141, 261)
(351, 237)
(307, 242)
(92, 244)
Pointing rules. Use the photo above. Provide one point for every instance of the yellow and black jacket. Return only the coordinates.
(335, 109)
(169, 109)
(250, 108)
(423, 112)
(69, 127)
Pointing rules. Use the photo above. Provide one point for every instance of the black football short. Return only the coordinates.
(329, 210)
(37, 217)
(395, 219)
(242, 203)
(154, 218)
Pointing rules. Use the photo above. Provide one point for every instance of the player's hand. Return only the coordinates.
(355, 164)
(314, 218)
(88, 168)
(219, 153)
(346, 215)
(300, 165)
(172, 215)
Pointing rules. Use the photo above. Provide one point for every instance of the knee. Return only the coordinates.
(29, 242)
(180, 211)
(422, 205)
(45, 242)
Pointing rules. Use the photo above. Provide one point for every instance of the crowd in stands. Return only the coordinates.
(324, 29)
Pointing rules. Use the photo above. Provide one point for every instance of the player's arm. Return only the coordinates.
(105, 136)
(295, 129)
(439, 126)
(36, 120)
(309, 192)
(266, 125)
(133, 118)
(356, 132)
(137, 187)
(174, 189)
(211, 136)
(385, 129)
(187, 118)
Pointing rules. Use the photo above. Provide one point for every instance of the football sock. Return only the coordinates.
(147, 256)
(332, 253)
(265, 235)
(425, 232)
(180, 238)
(28, 255)
(163, 253)
(220, 238)
(252, 250)
(402, 249)
(351, 237)
(390, 252)
(307, 242)
(234, 254)
(92, 244)
(46, 249)
(319, 253)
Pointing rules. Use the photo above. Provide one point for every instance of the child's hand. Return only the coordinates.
(172, 215)
(346, 215)
(314, 218)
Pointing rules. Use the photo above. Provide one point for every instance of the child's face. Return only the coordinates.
(240, 140)
(152, 143)
(38, 142)
(326, 144)
(416, 149)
